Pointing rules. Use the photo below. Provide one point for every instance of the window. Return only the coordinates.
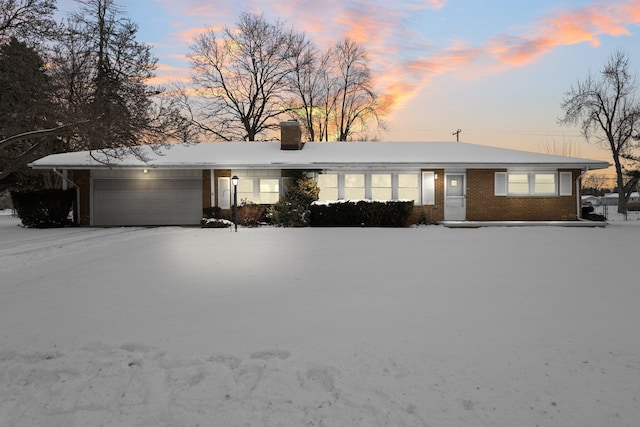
(269, 190)
(354, 186)
(527, 183)
(328, 185)
(381, 186)
(258, 186)
(245, 190)
(518, 183)
(408, 188)
(375, 185)
(544, 183)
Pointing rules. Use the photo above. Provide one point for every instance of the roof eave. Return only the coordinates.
(333, 165)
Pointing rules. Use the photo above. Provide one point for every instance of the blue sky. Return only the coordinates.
(495, 69)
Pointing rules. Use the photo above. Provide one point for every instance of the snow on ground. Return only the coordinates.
(423, 326)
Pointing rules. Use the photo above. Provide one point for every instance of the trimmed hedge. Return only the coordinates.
(44, 208)
(361, 213)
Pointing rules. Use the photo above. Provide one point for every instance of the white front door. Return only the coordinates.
(455, 206)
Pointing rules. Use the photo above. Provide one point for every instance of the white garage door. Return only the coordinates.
(153, 201)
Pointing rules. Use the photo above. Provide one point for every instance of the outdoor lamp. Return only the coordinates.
(234, 180)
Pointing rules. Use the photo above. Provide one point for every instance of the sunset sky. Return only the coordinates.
(497, 70)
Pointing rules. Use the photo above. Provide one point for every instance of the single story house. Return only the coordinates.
(449, 181)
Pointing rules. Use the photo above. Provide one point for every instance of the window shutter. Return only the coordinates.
(428, 188)
(566, 184)
(500, 184)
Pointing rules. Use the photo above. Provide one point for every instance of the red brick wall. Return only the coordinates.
(482, 205)
(206, 188)
(82, 178)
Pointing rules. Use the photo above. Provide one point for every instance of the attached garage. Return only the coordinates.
(157, 197)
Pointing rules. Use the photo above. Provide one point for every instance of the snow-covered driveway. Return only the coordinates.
(320, 327)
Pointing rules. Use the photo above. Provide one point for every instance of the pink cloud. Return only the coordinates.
(436, 4)
(403, 61)
(582, 25)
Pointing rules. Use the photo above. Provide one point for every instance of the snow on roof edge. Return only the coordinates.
(323, 155)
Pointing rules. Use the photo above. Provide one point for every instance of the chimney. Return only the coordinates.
(290, 135)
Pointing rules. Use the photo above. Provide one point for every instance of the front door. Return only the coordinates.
(455, 197)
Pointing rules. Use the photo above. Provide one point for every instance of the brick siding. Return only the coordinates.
(482, 205)
(82, 178)
(206, 188)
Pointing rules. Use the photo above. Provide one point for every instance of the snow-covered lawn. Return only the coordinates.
(319, 327)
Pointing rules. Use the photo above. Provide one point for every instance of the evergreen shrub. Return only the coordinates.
(361, 213)
(293, 209)
(44, 208)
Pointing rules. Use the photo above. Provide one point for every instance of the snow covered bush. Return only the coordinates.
(364, 213)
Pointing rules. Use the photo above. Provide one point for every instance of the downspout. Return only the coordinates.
(65, 182)
(578, 196)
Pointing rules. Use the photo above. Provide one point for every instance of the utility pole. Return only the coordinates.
(457, 134)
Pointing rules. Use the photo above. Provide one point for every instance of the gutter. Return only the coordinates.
(578, 196)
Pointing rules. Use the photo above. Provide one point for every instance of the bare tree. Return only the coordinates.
(311, 97)
(563, 148)
(606, 110)
(91, 95)
(356, 102)
(333, 95)
(118, 99)
(27, 19)
(596, 184)
(241, 75)
(25, 104)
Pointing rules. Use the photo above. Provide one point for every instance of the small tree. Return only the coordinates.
(609, 114)
(293, 209)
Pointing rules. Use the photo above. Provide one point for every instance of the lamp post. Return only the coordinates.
(234, 180)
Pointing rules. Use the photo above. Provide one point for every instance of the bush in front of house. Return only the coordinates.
(633, 205)
(293, 209)
(44, 208)
(252, 214)
(361, 213)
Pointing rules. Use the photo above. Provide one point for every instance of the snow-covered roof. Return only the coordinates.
(320, 155)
